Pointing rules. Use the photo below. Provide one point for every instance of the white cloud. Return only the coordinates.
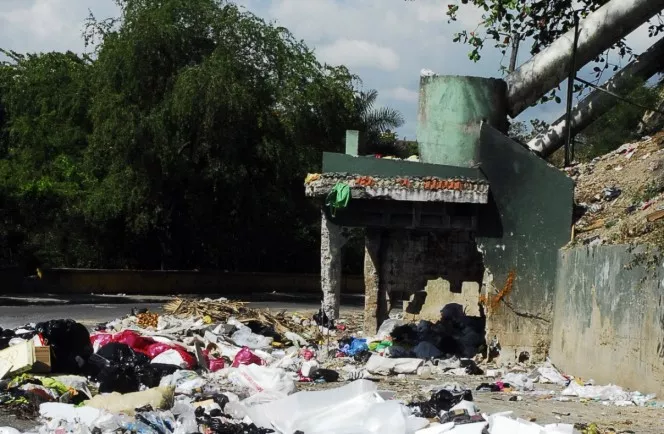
(357, 54)
(385, 42)
(401, 94)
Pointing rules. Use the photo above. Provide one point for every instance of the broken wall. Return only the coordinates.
(609, 316)
(436, 268)
(528, 218)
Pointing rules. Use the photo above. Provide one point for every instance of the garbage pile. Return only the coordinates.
(215, 366)
(620, 196)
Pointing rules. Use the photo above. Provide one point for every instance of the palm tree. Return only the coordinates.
(373, 122)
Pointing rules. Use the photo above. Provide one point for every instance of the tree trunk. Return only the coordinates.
(598, 32)
(598, 102)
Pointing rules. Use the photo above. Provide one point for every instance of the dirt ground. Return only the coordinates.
(609, 418)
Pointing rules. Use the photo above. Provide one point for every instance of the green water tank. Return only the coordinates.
(451, 110)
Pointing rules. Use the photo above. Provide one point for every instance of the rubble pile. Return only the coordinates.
(619, 196)
(215, 366)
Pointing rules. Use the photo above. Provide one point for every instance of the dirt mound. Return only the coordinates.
(619, 197)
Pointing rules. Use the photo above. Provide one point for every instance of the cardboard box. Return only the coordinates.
(25, 357)
(42, 363)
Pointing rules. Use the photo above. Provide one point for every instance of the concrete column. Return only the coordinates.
(375, 291)
(331, 242)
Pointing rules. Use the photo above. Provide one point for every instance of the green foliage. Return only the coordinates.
(539, 21)
(183, 143)
(523, 133)
(619, 125)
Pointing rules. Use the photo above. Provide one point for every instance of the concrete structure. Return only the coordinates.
(609, 316)
(86, 281)
(507, 215)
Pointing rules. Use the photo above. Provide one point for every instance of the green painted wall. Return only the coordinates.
(370, 166)
(451, 110)
(528, 218)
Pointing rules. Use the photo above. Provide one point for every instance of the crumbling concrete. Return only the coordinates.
(331, 242)
(375, 291)
(437, 294)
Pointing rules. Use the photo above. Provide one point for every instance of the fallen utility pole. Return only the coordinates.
(597, 32)
(599, 101)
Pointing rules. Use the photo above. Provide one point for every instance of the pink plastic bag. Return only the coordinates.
(153, 350)
(135, 341)
(216, 365)
(246, 357)
(101, 339)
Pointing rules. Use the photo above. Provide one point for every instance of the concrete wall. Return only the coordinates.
(609, 316)
(183, 282)
(528, 219)
(414, 260)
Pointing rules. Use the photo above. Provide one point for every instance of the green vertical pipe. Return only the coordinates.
(451, 110)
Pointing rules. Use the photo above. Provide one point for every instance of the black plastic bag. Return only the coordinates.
(488, 387)
(121, 369)
(328, 375)
(264, 330)
(322, 319)
(443, 400)
(471, 367)
(69, 342)
(362, 357)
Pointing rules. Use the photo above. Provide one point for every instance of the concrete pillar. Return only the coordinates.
(375, 291)
(331, 242)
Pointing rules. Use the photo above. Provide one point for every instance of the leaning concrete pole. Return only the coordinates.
(598, 102)
(598, 32)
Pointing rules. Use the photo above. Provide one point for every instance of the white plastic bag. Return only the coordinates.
(171, 357)
(386, 366)
(548, 373)
(352, 409)
(519, 381)
(602, 393)
(387, 327)
(244, 337)
(183, 381)
(257, 378)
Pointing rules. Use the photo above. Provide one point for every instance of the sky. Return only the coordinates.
(386, 42)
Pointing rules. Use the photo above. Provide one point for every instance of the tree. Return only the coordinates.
(205, 121)
(376, 123)
(543, 23)
(540, 21)
(44, 100)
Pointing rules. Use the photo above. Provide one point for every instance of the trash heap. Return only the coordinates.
(216, 366)
(620, 196)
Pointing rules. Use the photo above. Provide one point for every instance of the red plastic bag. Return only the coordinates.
(188, 358)
(246, 357)
(101, 339)
(216, 364)
(135, 341)
(153, 350)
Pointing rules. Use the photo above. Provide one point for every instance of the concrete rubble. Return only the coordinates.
(215, 366)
